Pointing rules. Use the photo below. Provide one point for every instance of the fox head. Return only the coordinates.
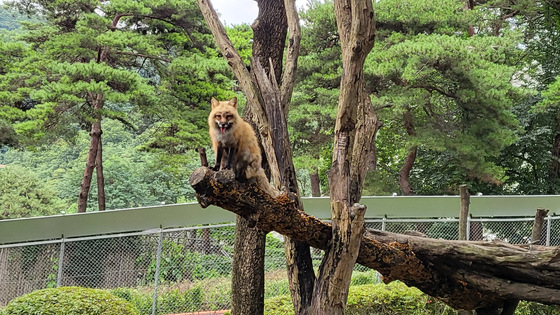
(223, 115)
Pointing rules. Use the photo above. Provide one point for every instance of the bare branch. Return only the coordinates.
(292, 54)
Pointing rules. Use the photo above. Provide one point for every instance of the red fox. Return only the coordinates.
(232, 135)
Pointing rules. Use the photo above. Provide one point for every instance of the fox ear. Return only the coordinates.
(233, 102)
(215, 102)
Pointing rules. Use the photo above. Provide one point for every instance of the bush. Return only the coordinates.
(70, 301)
(395, 298)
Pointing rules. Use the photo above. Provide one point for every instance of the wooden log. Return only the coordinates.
(465, 275)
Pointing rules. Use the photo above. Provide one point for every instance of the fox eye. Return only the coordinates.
(229, 116)
(218, 116)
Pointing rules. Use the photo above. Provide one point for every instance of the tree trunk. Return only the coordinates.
(90, 165)
(247, 283)
(100, 176)
(315, 183)
(269, 35)
(356, 125)
(269, 39)
(404, 172)
(465, 275)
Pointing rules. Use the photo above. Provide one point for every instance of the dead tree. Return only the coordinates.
(268, 90)
(464, 274)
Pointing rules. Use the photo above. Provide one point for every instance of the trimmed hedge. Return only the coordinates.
(396, 299)
(392, 299)
(69, 301)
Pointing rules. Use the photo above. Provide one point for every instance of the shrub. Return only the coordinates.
(532, 308)
(395, 298)
(70, 301)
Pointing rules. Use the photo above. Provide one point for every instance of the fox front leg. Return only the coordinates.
(219, 154)
(230, 152)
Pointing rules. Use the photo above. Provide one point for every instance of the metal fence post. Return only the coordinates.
(158, 260)
(60, 263)
(548, 224)
(383, 223)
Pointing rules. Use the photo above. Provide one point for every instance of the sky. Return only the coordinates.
(236, 11)
(240, 11)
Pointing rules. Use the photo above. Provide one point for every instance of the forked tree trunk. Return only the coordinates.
(269, 39)
(356, 125)
(269, 110)
(90, 165)
(100, 176)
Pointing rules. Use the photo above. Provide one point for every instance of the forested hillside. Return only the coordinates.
(104, 105)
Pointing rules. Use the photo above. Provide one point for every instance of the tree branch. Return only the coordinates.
(292, 54)
(465, 275)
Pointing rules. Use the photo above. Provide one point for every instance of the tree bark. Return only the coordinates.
(464, 274)
(298, 255)
(269, 38)
(269, 109)
(247, 283)
(92, 155)
(355, 127)
(315, 183)
(202, 155)
(99, 170)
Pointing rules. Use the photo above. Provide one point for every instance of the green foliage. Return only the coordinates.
(8, 135)
(395, 298)
(23, 194)
(531, 308)
(71, 301)
(241, 37)
(178, 264)
(132, 178)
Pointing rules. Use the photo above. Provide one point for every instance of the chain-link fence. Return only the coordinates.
(185, 270)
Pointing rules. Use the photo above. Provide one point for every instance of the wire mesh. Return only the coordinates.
(27, 268)
(508, 230)
(195, 263)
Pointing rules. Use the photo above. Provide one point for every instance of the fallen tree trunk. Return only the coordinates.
(465, 275)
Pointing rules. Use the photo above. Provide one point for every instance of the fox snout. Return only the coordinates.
(224, 125)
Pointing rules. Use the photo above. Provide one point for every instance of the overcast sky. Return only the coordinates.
(236, 11)
(241, 11)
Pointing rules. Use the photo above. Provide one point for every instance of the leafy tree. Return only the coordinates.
(313, 108)
(84, 66)
(23, 194)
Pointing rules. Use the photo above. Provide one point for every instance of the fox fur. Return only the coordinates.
(234, 140)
